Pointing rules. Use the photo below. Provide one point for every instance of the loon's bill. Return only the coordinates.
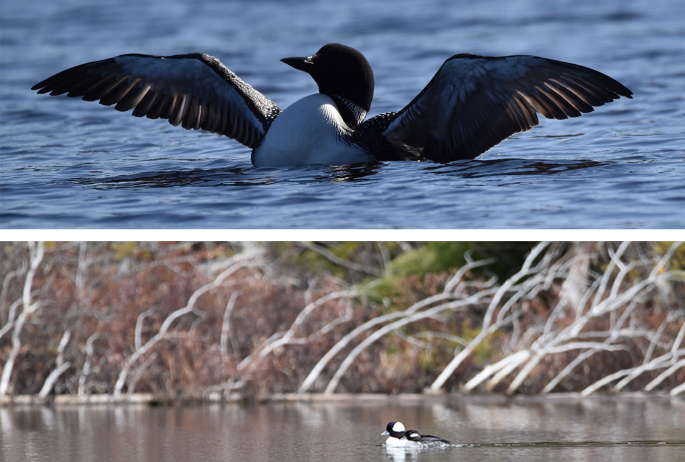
(470, 105)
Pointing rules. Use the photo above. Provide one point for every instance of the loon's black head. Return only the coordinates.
(394, 429)
(342, 73)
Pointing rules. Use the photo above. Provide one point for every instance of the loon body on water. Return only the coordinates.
(470, 105)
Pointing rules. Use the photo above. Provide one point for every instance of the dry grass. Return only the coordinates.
(152, 318)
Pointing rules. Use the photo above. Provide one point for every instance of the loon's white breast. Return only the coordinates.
(310, 131)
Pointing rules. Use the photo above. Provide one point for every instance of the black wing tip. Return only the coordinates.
(44, 86)
(47, 85)
(620, 90)
(617, 87)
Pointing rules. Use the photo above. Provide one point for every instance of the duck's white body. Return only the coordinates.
(395, 442)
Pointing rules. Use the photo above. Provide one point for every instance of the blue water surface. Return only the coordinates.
(72, 164)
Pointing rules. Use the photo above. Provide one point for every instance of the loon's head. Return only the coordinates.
(342, 73)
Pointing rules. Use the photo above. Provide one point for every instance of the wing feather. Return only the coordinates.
(195, 91)
(474, 102)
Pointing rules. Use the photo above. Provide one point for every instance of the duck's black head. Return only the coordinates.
(412, 435)
(394, 429)
(342, 73)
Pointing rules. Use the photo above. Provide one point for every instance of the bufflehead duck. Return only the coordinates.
(396, 432)
(425, 441)
(470, 105)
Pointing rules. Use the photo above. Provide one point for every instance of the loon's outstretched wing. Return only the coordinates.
(194, 90)
(474, 102)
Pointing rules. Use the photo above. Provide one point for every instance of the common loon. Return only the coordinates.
(470, 105)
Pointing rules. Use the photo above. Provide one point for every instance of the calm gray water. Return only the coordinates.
(621, 429)
(71, 164)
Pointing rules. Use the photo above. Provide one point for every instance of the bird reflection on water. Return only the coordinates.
(404, 453)
(499, 167)
(239, 176)
(236, 176)
(350, 173)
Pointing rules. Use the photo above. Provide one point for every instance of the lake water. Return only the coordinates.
(71, 164)
(616, 429)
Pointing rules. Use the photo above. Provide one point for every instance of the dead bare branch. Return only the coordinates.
(225, 327)
(236, 263)
(341, 261)
(526, 269)
(87, 368)
(289, 337)
(453, 289)
(36, 251)
(61, 366)
(349, 360)
(622, 296)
